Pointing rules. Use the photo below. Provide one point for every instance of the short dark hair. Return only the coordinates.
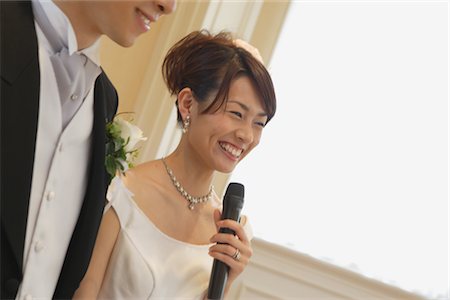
(208, 64)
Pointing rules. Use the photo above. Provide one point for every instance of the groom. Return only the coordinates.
(55, 101)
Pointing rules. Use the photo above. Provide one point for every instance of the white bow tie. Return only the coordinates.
(75, 74)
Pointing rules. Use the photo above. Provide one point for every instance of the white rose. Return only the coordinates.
(128, 130)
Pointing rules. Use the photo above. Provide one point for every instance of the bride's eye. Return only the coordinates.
(261, 124)
(236, 113)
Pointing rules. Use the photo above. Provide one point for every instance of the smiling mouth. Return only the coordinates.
(233, 151)
(145, 19)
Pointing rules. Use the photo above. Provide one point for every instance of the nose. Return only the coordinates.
(245, 133)
(166, 7)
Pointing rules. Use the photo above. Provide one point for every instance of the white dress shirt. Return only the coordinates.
(60, 166)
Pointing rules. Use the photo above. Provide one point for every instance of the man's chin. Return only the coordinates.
(125, 42)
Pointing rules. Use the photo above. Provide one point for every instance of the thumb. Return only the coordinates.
(217, 217)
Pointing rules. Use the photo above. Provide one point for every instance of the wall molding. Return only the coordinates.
(281, 273)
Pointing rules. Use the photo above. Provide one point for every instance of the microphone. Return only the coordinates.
(233, 201)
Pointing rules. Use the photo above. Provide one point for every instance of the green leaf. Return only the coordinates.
(110, 165)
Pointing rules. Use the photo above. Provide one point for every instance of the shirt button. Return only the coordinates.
(28, 297)
(38, 247)
(74, 97)
(50, 196)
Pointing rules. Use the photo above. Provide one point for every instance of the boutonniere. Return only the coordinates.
(121, 139)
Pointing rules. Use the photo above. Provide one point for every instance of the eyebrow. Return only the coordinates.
(246, 108)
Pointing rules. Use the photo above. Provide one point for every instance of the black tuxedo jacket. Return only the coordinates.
(20, 84)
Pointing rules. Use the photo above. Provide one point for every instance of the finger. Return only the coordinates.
(224, 238)
(228, 245)
(236, 227)
(237, 266)
(225, 249)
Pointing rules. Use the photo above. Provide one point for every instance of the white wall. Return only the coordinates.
(354, 167)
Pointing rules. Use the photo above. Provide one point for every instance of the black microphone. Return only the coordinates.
(233, 201)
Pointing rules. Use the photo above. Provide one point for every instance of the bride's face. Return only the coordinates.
(223, 138)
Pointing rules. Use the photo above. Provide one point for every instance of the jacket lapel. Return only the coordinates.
(83, 238)
(20, 87)
(19, 117)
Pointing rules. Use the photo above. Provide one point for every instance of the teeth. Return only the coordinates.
(146, 21)
(230, 149)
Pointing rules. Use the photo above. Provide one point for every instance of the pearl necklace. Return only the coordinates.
(191, 199)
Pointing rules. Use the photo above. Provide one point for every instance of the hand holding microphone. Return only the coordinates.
(232, 251)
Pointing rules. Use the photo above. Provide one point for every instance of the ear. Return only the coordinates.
(185, 101)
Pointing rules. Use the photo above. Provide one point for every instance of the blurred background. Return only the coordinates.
(348, 191)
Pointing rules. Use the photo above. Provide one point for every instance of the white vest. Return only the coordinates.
(58, 186)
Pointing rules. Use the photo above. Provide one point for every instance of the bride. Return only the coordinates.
(160, 236)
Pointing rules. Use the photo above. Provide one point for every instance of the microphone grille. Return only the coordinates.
(235, 189)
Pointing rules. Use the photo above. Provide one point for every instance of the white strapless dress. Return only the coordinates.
(148, 264)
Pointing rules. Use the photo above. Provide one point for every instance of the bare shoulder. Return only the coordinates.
(144, 180)
(145, 174)
(143, 170)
